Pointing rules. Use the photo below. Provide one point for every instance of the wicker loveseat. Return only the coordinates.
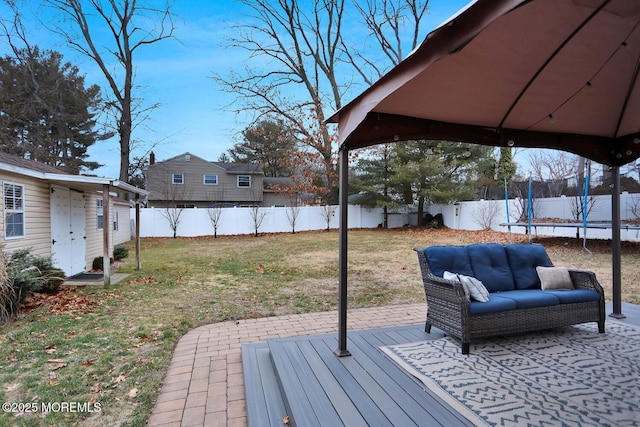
(517, 303)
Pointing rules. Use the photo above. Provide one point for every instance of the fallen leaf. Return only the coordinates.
(54, 382)
(58, 366)
(55, 360)
(120, 378)
(95, 388)
(286, 420)
(133, 393)
(87, 362)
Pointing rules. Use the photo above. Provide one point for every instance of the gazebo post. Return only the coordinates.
(137, 236)
(343, 165)
(615, 243)
(106, 228)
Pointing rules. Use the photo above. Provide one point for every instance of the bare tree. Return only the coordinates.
(577, 206)
(174, 198)
(486, 213)
(215, 213)
(132, 24)
(302, 51)
(172, 214)
(553, 167)
(386, 20)
(327, 213)
(293, 210)
(257, 214)
(215, 210)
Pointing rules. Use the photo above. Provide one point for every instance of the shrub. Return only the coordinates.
(54, 278)
(25, 273)
(22, 274)
(120, 252)
(8, 299)
(98, 264)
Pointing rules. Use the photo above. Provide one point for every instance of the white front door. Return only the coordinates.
(68, 247)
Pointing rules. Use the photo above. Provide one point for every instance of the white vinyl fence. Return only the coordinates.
(233, 221)
(475, 215)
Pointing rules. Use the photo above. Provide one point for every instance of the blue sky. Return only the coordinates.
(193, 115)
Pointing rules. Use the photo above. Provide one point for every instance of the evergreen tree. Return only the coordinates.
(373, 177)
(437, 171)
(46, 113)
(506, 166)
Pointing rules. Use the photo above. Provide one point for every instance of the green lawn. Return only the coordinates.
(106, 350)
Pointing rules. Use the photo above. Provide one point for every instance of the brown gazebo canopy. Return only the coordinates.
(558, 74)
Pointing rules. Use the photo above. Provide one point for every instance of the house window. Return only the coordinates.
(177, 178)
(13, 210)
(244, 181)
(99, 214)
(115, 221)
(210, 179)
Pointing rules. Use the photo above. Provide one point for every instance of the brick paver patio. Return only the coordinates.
(204, 385)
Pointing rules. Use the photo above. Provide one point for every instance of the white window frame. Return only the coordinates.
(176, 175)
(100, 214)
(115, 220)
(204, 179)
(15, 207)
(248, 180)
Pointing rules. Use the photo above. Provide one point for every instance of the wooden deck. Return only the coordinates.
(302, 379)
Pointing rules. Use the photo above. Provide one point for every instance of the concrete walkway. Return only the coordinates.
(204, 385)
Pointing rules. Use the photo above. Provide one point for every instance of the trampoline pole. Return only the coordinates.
(529, 210)
(506, 200)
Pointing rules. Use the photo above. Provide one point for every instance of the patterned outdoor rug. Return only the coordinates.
(571, 376)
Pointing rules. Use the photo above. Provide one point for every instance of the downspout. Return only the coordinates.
(343, 165)
(615, 243)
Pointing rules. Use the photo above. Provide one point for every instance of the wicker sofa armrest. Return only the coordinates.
(583, 279)
(437, 287)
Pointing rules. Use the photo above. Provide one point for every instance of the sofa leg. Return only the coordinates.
(427, 327)
(601, 327)
(465, 348)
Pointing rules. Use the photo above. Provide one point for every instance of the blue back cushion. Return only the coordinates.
(523, 260)
(448, 258)
(491, 266)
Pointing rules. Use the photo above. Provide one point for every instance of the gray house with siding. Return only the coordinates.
(188, 181)
(70, 218)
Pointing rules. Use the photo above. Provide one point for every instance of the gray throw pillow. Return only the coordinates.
(477, 290)
(554, 278)
(447, 275)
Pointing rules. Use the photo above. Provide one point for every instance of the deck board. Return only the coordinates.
(365, 389)
(268, 407)
(420, 404)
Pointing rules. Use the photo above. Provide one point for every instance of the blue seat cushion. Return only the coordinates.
(491, 266)
(575, 295)
(448, 258)
(523, 260)
(496, 304)
(531, 298)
